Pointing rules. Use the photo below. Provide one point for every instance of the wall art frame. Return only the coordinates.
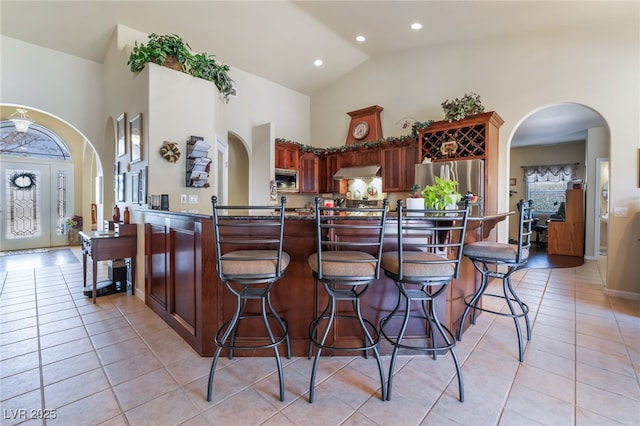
(142, 185)
(121, 192)
(121, 135)
(135, 193)
(135, 138)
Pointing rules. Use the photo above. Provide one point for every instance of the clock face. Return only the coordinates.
(360, 130)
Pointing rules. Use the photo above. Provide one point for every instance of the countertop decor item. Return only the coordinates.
(458, 109)
(442, 194)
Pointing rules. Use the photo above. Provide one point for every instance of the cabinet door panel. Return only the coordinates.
(183, 289)
(157, 264)
(309, 173)
(392, 169)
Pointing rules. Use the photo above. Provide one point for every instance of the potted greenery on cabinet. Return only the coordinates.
(173, 52)
(457, 109)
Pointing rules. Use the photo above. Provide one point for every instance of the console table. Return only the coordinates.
(107, 246)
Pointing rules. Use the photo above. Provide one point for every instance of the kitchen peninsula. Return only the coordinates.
(182, 284)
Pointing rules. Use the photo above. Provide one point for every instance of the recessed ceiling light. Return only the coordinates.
(360, 38)
(318, 62)
(416, 26)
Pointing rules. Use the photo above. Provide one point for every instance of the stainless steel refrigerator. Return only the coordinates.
(468, 173)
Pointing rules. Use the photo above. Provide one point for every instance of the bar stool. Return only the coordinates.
(347, 263)
(249, 259)
(427, 259)
(484, 254)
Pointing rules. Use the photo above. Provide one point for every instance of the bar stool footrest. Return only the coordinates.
(525, 308)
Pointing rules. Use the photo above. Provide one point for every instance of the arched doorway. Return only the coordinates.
(47, 171)
(238, 177)
(557, 134)
(37, 191)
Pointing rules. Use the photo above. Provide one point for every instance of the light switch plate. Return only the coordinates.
(620, 211)
(183, 199)
(193, 199)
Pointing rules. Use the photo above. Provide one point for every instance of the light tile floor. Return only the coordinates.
(118, 363)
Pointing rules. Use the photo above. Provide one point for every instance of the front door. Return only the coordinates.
(35, 199)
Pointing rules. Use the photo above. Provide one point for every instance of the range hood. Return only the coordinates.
(357, 172)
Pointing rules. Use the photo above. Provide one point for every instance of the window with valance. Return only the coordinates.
(546, 185)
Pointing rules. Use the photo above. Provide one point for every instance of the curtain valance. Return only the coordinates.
(550, 173)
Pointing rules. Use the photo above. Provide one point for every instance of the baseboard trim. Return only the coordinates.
(622, 294)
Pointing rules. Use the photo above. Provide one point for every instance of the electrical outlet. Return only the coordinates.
(620, 212)
(193, 199)
(183, 199)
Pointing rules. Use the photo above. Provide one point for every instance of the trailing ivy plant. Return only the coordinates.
(458, 109)
(200, 65)
(157, 49)
(203, 65)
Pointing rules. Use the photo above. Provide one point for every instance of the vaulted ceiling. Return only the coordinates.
(279, 40)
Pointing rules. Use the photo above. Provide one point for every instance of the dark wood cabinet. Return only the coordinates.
(367, 157)
(287, 156)
(476, 136)
(180, 280)
(331, 166)
(398, 167)
(309, 173)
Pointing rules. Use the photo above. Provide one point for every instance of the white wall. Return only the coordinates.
(596, 66)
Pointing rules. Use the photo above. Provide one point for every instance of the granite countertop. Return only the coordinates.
(306, 216)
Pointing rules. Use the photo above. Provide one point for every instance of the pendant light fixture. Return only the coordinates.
(21, 120)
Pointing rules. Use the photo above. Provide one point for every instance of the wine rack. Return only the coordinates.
(464, 139)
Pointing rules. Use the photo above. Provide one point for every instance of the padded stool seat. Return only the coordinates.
(249, 261)
(427, 258)
(347, 263)
(488, 258)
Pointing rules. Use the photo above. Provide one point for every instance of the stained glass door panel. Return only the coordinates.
(25, 213)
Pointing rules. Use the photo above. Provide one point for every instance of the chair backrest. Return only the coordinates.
(349, 229)
(525, 222)
(439, 233)
(560, 214)
(256, 230)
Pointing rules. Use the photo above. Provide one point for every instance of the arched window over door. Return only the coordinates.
(36, 142)
(37, 188)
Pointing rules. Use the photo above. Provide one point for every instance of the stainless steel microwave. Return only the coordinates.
(287, 180)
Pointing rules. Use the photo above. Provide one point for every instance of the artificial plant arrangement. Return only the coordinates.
(457, 109)
(173, 52)
(441, 195)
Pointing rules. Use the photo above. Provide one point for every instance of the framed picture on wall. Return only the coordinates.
(121, 135)
(135, 138)
(142, 186)
(134, 188)
(121, 194)
(116, 172)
